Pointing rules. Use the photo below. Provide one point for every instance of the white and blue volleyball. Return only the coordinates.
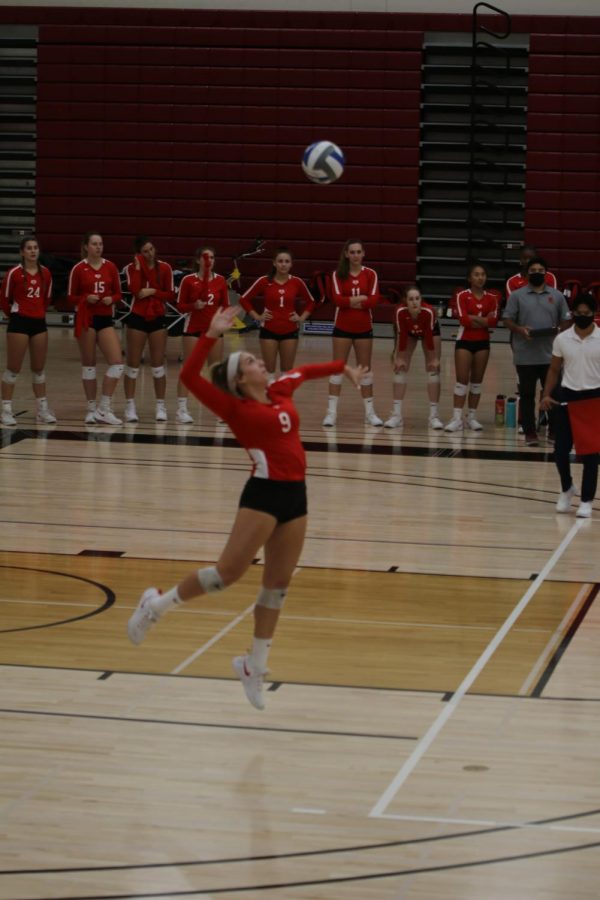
(323, 162)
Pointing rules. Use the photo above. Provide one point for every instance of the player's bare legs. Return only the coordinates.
(287, 354)
(341, 350)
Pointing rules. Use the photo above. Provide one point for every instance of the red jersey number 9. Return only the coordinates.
(286, 422)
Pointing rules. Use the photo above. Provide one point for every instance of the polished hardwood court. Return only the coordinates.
(431, 728)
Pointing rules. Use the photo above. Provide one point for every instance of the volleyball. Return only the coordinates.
(323, 162)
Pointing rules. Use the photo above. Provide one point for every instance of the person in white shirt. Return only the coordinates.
(575, 353)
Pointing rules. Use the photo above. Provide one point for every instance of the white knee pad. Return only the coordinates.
(434, 377)
(475, 388)
(367, 380)
(38, 377)
(88, 373)
(158, 371)
(210, 580)
(9, 377)
(131, 372)
(460, 389)
(271, 598)
(115, 371)
(400, 377)
(336, 379)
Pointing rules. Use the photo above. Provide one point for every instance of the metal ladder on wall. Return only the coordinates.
(18, 89)
(473, 146)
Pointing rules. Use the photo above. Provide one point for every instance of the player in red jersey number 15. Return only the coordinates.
(272, 509)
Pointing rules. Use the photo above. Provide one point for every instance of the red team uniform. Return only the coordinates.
(268, 432)
(468, 305)
(518, 281)
(23, 294)
(280, 300)
(104, 282)
(422, 328)
(350, 320)
(213, 292)
(160, 278)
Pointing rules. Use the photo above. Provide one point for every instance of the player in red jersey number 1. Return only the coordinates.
(272, 510)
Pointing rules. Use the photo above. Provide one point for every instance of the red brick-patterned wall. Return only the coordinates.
(190, 125)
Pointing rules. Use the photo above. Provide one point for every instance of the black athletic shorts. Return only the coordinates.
(473, 346)
(18, 324)
(266, 335)
(98, 323)
(148, 326)
(353, 335)
(284, 500)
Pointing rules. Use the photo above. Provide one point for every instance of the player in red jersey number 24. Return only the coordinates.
(272, 509)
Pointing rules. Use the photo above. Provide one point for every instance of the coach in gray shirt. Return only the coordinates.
(534, 314)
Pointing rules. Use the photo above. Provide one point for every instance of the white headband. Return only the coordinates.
(233, 365)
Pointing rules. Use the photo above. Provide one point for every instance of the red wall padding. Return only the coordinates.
(562, 214)
(190, 124)
(195, 134)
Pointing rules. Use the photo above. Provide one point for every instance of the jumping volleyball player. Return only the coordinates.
(272, 510)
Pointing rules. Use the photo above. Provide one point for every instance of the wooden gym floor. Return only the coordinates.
(431, 728)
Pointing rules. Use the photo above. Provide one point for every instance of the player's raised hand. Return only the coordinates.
(222, 321)
(355, 374)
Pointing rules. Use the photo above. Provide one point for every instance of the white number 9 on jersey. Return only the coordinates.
(286, 422)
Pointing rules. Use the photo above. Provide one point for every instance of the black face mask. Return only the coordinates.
(583, 322)
(536, 279)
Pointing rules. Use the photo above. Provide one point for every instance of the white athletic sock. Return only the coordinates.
(104, 402)
(91, 405)
(130, 403)
(42, 403)
(332, 403)
(368, 401)
(165, 602)
(456, 413)
(433, 410)
(397, 408)
(160, 404)
(259, 654)
(471, 413)
(7, 405)
(182, 403)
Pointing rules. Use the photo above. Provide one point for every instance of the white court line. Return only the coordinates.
(489, 823)
(217, 637)
(554, 640)
(308, 810)
(452, 705)
(337, 620)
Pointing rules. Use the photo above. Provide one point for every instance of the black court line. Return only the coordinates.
(313, 537)
(298, 854)
(120, 437)
(109, 601)
(225, 726)
(568, 637)
(309, 684)
(324, 882)
(102, 553)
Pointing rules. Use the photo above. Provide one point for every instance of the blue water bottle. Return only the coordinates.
(511, 413)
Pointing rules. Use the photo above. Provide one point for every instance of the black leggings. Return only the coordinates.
(562, 449)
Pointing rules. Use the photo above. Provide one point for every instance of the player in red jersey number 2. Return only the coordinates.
(272, 510)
